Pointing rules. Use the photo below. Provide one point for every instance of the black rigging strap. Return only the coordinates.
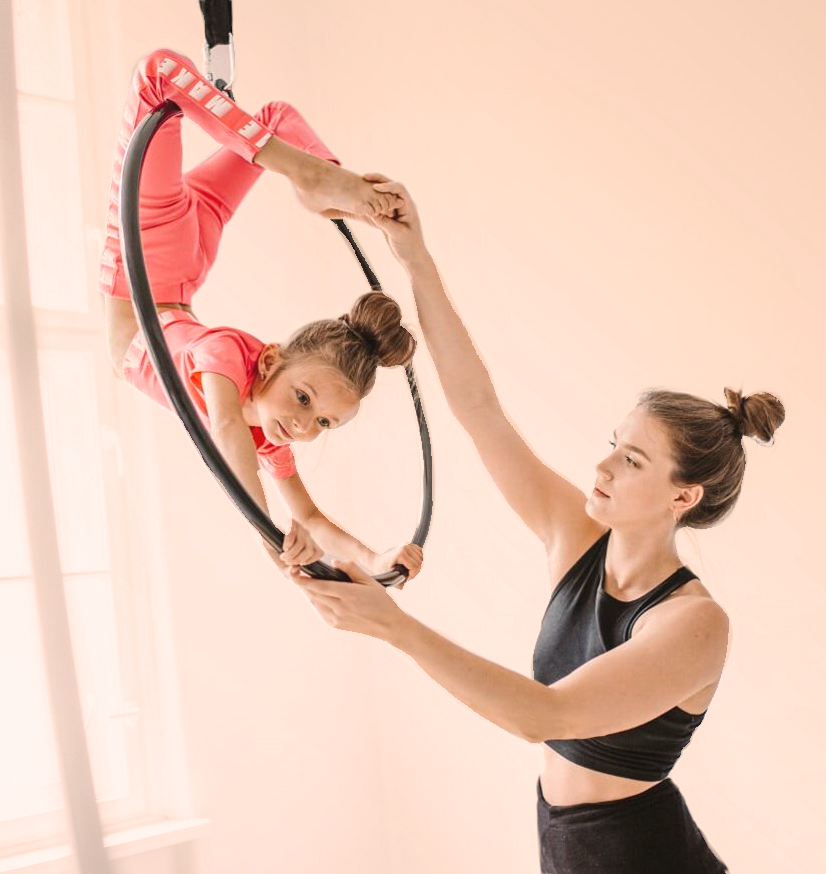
(219, 53)
(217, 21)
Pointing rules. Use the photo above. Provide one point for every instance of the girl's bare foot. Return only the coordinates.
(323, 186)
(337, 193)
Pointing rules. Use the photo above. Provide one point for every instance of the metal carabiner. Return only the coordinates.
(219, 64)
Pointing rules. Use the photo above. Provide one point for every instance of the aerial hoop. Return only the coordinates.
(144, 305)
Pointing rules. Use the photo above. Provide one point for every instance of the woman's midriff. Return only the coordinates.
(565, 783)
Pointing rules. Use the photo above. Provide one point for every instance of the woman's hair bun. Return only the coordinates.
(757, 416)
(377, 318)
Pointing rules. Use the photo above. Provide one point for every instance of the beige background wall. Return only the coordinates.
(619, 195)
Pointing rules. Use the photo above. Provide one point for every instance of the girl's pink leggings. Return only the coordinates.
(183, 214)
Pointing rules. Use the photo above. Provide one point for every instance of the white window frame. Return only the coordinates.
(136, 546)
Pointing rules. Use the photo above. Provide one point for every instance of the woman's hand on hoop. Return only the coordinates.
(362, 605)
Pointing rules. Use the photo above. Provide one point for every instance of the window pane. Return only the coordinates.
(29, 776)
(54, 220)
(14, 544)
(42, 48)
(67, 380)
(105, 713)
(29, 773)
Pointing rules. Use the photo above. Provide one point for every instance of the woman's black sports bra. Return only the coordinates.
(582, 622)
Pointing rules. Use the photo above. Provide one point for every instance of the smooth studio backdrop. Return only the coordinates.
(619, 196)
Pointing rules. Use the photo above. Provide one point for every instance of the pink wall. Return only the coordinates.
(619, 196)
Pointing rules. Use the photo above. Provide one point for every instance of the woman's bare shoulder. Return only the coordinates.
(569, 544)
(691, 602)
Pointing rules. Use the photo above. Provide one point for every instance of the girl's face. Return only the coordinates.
(633, 484)
(303, 400)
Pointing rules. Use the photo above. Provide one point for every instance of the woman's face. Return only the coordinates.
(633, 483)
(303, 400)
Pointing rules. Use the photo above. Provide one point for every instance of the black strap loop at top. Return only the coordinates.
(173, 386)
(217, 21)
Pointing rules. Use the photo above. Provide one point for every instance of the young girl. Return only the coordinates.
(256, 398)
(632, 645)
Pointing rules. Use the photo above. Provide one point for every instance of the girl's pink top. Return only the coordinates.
(197, 349)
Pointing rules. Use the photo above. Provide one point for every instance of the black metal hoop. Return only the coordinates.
(150, 325)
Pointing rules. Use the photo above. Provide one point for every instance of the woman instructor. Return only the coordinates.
(632, 645)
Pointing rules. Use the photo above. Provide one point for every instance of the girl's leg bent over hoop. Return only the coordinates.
(182, 215)
(222, 181)
(169, 215)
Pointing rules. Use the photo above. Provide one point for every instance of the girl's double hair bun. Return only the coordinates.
(365, 337)
(757, 416)
(357, 343)
(375, 319)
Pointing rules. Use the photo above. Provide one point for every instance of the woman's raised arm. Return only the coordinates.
(552, 507)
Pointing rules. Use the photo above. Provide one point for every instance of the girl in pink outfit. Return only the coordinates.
(256, 398)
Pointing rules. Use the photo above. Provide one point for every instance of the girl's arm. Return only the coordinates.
(314, 533)
(231, 433)
(325, 532)
(233, 439)
(679, 651)
(336, 541)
